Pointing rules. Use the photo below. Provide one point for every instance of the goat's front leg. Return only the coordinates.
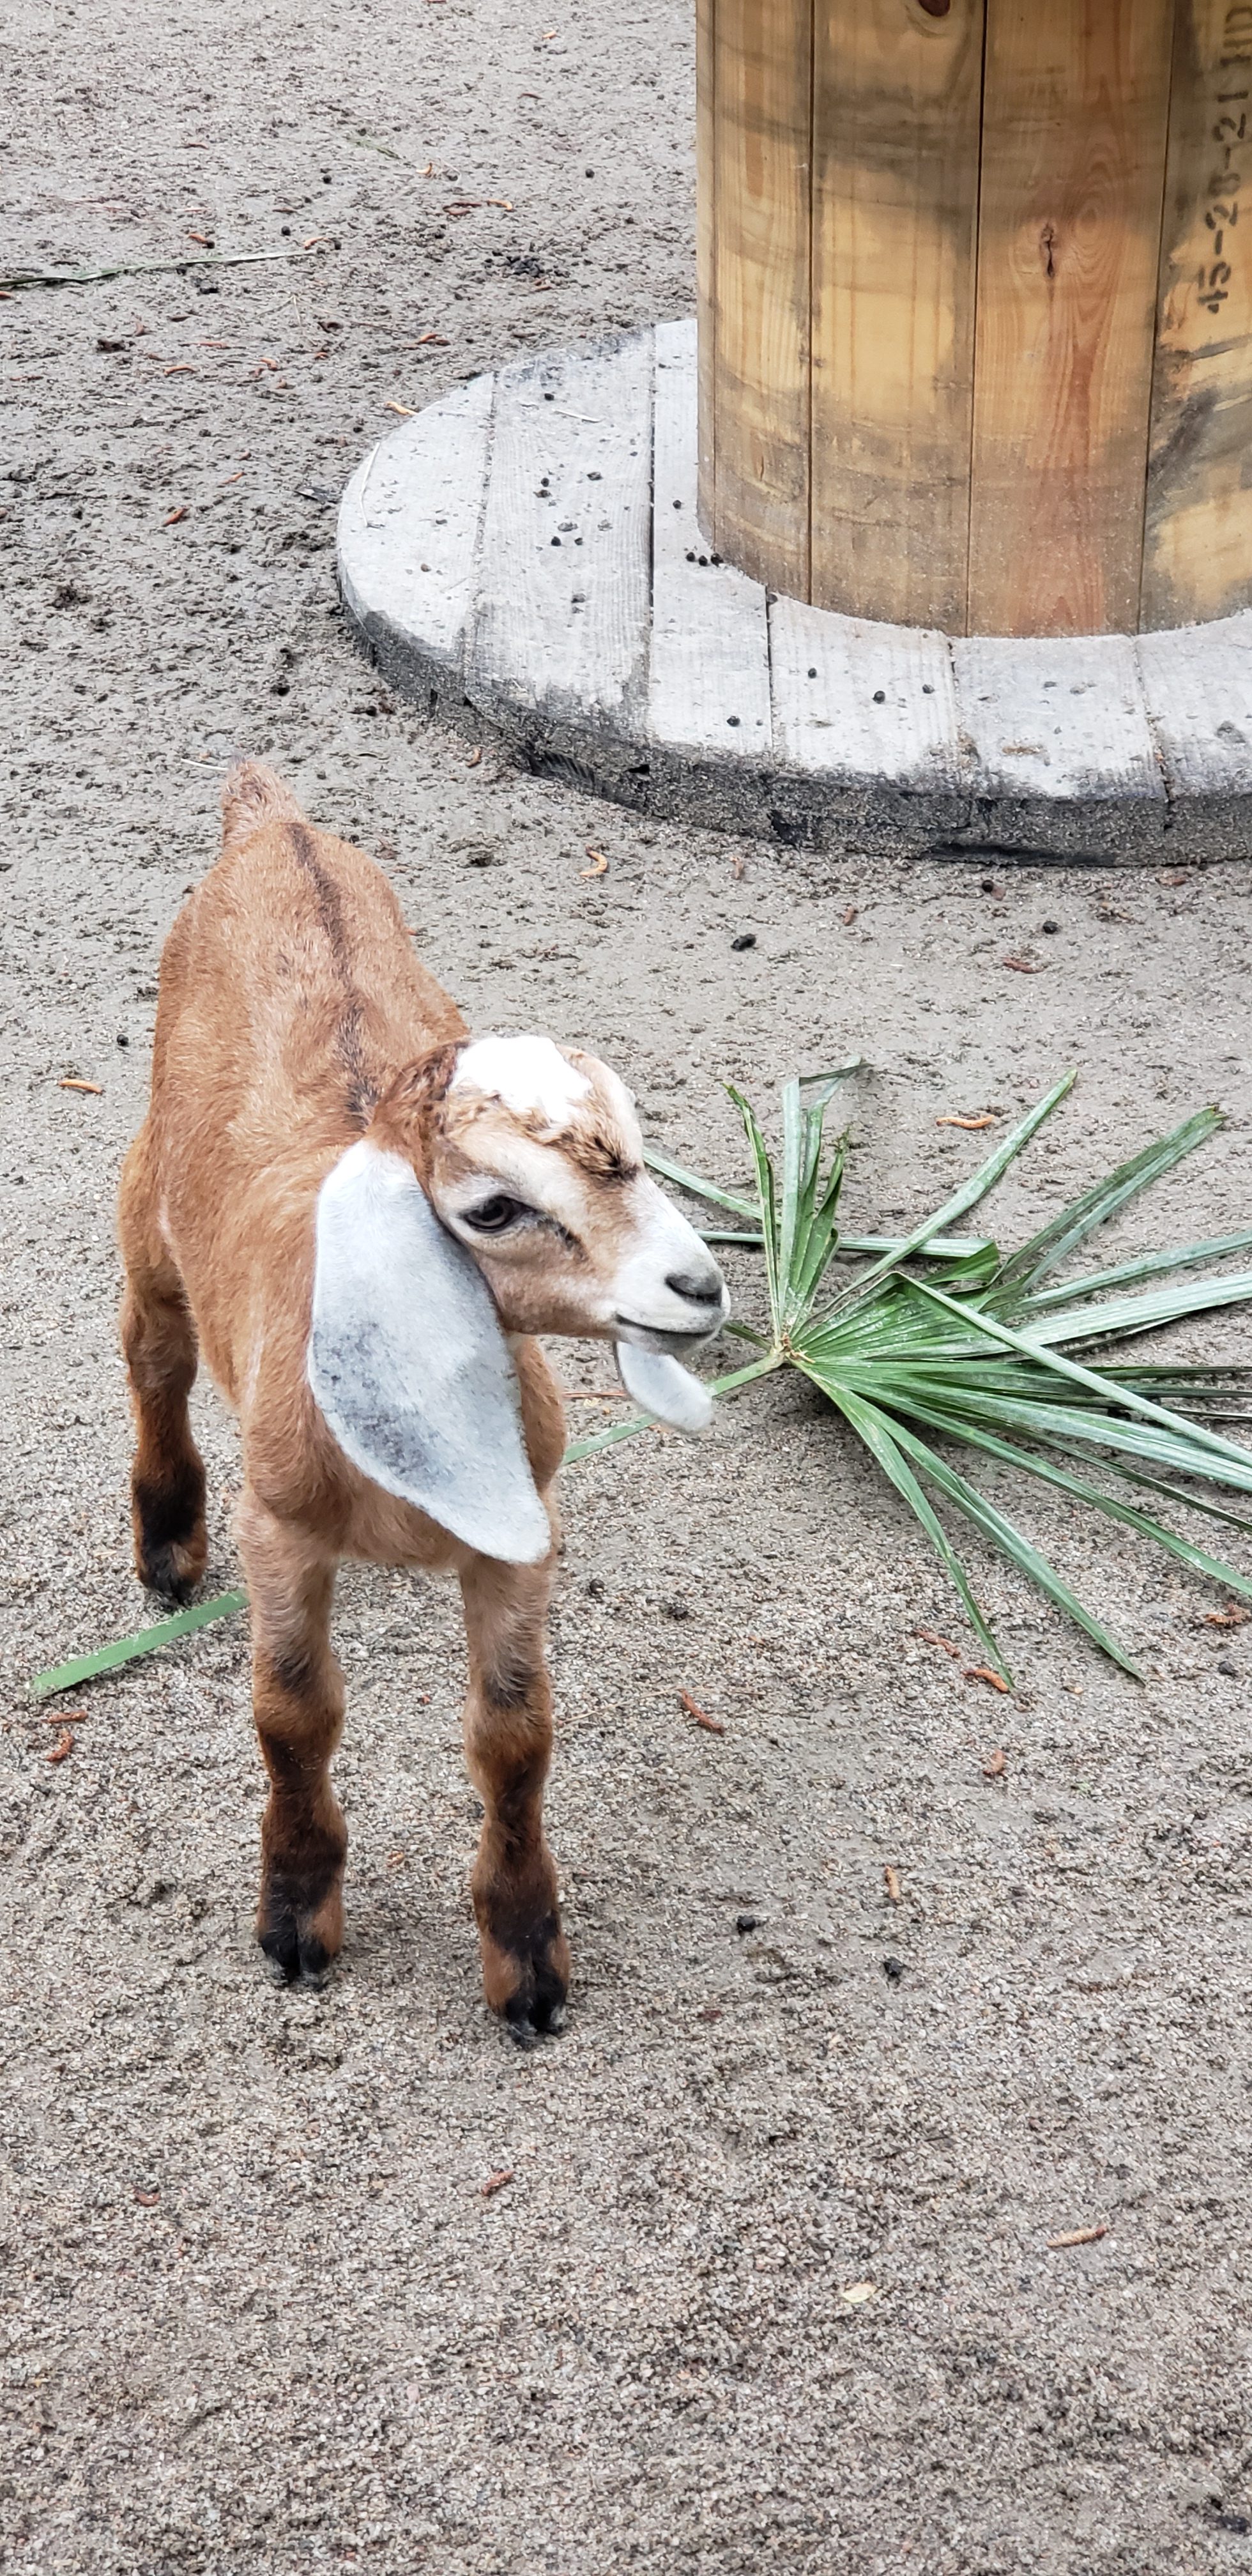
(508, 1740)
(298, 1700)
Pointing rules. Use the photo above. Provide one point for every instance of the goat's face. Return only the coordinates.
(534, 1162)
(501, 1185)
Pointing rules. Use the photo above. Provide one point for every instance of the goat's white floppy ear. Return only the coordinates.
(662, 1387)
(408, 1362)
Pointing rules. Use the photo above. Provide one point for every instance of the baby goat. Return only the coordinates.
(362, 1216)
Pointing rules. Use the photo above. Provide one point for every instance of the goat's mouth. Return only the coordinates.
(659, 1337)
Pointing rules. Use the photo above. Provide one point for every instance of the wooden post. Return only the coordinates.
(895, 217)
(1198, 538)
(758, 181)
(1075, 113)
(975, 288)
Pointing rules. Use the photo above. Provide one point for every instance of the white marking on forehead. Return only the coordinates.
(526, 1073)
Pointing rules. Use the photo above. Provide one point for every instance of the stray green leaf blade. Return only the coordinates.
(20, 280)
(124, 1650)
(607, 1439)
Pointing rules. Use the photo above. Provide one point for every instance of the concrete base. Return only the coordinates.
(524, 556)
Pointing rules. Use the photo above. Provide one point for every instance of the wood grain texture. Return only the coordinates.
(1074, 123)
(706, 257)
(1198, 533)
(1056, 721)
(408, 524)
(895, 204)
(760, 289)
(561, 615)
(863, 700)
(1198, 686)
(709, 684)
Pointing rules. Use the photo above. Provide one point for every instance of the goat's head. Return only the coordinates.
(536, 1166)
(531, 1160)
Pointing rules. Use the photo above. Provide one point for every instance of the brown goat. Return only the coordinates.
(361, 1216)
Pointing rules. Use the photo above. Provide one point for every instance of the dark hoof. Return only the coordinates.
(537, 2014)
(296, 1961)
(293, 1935)
(166, 1571)
(171, 1541)
(530, 1993)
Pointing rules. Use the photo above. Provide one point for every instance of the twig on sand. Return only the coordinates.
(711, 1725)
(19, 279)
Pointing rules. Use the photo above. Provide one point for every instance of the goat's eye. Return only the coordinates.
(493, 1215)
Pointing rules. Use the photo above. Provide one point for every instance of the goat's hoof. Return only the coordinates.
(539, 2015)
(528, 1987)
(172, 1572)
(171, 1540)
(294, 1961)
(294, 1937)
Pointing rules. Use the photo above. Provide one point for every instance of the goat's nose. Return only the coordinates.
(697, 1287)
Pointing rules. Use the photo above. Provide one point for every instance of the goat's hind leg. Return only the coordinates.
(508, 1741)
(159, 1342)
(297, 1699)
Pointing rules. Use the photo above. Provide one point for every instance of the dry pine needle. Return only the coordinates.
(711, 1725)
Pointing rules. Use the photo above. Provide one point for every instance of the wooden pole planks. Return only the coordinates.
(757, 354)
(897, 94)
(706, 255)
(1198, 534)
(975, 287)
(1075, 114)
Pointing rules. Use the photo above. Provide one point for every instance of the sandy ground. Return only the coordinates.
(259, 2313)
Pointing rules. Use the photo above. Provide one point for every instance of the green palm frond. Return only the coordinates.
(936, 1337)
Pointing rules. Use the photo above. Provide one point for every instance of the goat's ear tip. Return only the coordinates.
(663, 1387)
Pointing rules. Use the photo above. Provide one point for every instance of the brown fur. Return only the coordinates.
(294, 1016)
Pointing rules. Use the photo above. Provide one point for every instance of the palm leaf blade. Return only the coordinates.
(1020, 1550)
(1125, 1316)
(979, 1185)
(796, 1185)
(879, 1436)
(1032, 1464)
(977, 1352)
(1210, 1441)
(765, 1186)
(698, 1187)
(1060, 1236)
(1146, 1265)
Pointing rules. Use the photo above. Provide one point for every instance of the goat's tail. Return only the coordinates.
(251, 798)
